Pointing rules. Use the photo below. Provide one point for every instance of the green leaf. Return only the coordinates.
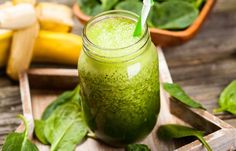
(39, 131)
(189, 1)
(170, 131)
(63, 125)
(108, 4)
(19, 141)
(196, 3)
(227, 100)
(152, 14)
(29, 146)
(178, 93)
(174, 15)
(65, 128)
(133, 6)
(90, 7)
(63, 98)
(137, 147)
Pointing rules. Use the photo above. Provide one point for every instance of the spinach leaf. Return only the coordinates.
(189, 1)
(90, 7)
(96, 10)
(19, 141)
(174, 15)
(152, 14)
(137, 147)
(170, 131)
(133, 6)
(63, 98)
(227, 100)
(177, 92)
(39, 131)
(196, 3)
(108, 4)
(65, 128)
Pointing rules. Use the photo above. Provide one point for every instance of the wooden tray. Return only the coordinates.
(39, 87)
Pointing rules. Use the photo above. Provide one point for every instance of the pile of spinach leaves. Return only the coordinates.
(165, 14)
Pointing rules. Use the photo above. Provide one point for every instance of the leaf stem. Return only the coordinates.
(25, 123)
(25, 131)
(201, 139)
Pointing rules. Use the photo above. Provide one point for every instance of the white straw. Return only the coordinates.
(145, 10)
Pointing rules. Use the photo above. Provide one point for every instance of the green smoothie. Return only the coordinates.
(120, 83)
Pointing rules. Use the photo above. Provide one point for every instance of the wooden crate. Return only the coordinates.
(39, 87)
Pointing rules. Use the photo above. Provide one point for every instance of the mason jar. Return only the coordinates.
(119, 79)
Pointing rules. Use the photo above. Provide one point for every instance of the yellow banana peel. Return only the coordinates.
(57, 47)
(5, 43)
(48, 25)
(52, 47)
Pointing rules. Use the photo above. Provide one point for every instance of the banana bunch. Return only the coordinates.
(36, 32)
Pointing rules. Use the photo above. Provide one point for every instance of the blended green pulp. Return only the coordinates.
(120, 100)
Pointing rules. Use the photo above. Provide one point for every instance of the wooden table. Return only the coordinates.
(203, 66)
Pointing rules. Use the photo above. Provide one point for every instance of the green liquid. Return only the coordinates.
(102, 34)
(120, 100)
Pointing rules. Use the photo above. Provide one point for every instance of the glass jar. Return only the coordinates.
(119, 85)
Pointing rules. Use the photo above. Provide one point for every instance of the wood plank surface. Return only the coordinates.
(203, 66)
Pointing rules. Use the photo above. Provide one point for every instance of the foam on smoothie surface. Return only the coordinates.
(115, 32)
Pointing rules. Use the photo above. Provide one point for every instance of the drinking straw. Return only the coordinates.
(147, 4)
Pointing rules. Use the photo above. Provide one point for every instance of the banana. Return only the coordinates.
(52, 43)
(23, 15)
(54, 17)
(22, 48)
(57, 47)
(17, 17)
(52, 47)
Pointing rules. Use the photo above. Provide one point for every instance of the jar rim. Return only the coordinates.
(86, 39)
